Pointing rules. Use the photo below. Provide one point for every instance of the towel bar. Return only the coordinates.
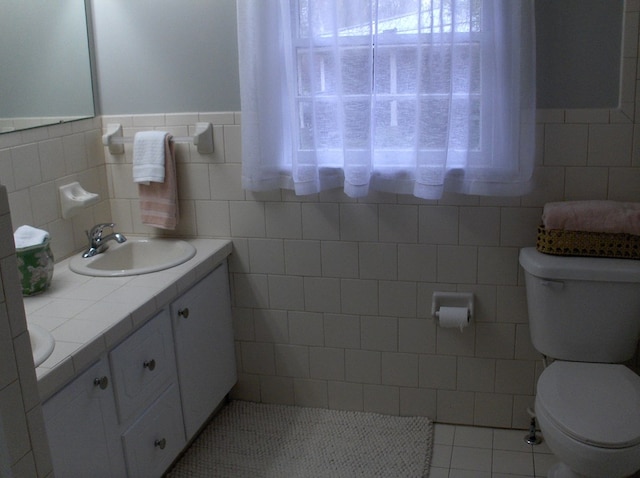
(202, 139)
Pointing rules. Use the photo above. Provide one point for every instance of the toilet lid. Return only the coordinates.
(597, 404)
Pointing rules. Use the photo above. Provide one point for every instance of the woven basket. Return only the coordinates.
(593, 244)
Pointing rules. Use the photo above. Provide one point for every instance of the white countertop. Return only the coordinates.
(87, 316)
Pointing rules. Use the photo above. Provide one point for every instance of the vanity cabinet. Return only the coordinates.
(146, 391)
(204, 348)
(82, 427)
(133, 412)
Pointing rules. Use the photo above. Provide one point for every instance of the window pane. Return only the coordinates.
(434, 123)
(321, 129)
(362, 17)
(357, 121)
(306, 74)
(356, 71)
(437, 67)
(436, 70)
(318, 127)
(395, 124)
(323, 18)
(466, 67)
(306, 125)
(408, 70)
(382, 71)
(317, 72)
(465, 124)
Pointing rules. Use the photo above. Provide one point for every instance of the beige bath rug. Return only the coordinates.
(257, 440)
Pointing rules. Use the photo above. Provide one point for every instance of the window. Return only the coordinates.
(412, 97)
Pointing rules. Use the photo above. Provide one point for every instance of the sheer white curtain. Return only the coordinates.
(414, 97)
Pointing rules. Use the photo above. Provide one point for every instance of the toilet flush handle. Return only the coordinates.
(552, 284)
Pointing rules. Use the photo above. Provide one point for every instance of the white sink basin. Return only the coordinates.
(136, 256)
(42, 343)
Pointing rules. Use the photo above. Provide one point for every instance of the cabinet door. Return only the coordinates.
(143, 366)
(82, 427)
(156, 438)
(204, 347)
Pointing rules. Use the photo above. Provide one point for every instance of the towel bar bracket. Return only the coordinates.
(114, 132)
(202, 138)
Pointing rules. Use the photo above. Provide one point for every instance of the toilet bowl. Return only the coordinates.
(589, 414)
(584, 313)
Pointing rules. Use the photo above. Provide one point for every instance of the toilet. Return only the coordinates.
(584, 317)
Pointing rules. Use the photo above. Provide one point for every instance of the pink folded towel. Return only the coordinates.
(593, 216)
(159, 201)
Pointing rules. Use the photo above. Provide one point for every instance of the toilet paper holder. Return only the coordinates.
(451, 299)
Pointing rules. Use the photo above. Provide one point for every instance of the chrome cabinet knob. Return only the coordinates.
(102, 382)
(160, 443)
(149, 364)
(184, 313)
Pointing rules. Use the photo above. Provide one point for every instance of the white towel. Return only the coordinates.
(148, 157)
(159, 201)
(27, 236)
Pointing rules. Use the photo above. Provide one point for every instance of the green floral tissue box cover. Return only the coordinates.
(35, 268)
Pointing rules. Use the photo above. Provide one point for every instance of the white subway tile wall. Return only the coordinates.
(21, 421)
(35, 163)
(332, 296)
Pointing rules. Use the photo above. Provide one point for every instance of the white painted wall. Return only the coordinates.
(156, 56)
(159, 56)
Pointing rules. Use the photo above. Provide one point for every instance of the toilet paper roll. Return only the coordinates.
(453, 317)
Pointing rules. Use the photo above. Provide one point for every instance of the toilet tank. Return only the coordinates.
(582, 308)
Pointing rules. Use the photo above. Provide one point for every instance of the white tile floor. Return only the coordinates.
(472, 452)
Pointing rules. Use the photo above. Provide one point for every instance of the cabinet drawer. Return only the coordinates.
(156, 438)
(143, 366)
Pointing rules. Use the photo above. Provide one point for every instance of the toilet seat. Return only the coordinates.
(596, 404)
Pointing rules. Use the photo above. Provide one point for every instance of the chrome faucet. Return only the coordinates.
(98, 242)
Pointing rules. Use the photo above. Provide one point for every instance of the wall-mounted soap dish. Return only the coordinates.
(73, 198)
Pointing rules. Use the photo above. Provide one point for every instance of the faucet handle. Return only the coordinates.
(96, 231)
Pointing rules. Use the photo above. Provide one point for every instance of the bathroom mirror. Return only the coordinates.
(45, 76)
